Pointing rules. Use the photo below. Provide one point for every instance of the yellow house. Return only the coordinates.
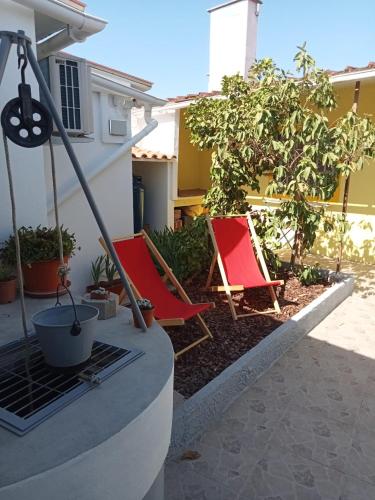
(191, 171)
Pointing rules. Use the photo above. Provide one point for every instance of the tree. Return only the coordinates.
(277, 123)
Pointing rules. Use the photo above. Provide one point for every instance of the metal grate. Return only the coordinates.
(69, 92)
(31, 391)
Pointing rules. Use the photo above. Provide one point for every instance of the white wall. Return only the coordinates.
(157, 178)
(163, 138)
(28, 168)
(233, 33)
(112, 190)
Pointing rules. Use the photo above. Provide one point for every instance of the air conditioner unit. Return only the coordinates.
(68, 79)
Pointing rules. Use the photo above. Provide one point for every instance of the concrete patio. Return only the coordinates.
(306, 429)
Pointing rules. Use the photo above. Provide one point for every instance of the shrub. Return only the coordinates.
(310, 275)
(6, 272)
(188, 250)
(37, 245)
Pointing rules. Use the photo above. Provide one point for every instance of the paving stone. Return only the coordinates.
(306, 429)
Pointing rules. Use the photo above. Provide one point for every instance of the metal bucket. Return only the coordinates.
(62, 345)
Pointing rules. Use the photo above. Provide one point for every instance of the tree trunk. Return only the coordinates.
(297, 248)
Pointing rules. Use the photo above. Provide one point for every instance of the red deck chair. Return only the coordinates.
(135, 257)
(234, 239)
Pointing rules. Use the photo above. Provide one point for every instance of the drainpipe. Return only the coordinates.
(69, 189)
(60, 41)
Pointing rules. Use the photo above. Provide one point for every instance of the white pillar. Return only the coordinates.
(233, 34)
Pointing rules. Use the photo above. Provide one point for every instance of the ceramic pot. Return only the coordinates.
(148, 316)
(41, 278)
(8, 290)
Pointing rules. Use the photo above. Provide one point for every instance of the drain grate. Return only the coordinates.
(31, 391)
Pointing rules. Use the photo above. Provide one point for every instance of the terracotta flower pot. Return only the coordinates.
(148, 316)
(8, 290)
(41, 278)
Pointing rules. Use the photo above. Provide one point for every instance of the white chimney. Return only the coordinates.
(233, 34)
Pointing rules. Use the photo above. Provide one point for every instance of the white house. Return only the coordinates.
(102, 133)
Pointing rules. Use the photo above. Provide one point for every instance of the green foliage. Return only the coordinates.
(354, 142)
(188, 250)
(97, 269)
(310, 275)
(110, 269)
(6, 272)
(277, 123)
(39, 244)
(268, 230)
(222, 125)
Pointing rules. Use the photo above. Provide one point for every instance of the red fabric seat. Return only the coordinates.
(139, 266)
(237, 253)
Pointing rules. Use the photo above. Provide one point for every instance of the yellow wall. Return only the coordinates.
(194, 167)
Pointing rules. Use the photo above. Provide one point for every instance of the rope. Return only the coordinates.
(16, 237)
(63, 269)
(55, 204)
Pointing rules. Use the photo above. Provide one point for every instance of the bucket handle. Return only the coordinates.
(76, 326)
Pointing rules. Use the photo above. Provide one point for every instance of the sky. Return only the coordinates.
(167, 41)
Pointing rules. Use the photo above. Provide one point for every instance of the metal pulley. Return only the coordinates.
(25, 120)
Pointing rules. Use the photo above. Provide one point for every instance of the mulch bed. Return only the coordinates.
(232, 339)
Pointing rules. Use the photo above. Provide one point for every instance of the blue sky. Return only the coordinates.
(166, 41)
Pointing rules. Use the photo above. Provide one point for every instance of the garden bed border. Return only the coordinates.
(196, 414)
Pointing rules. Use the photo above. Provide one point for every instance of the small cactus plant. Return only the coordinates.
(144, 304)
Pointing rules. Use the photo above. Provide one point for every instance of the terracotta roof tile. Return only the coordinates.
(144, 154)
(117, 72)
(191, 97)
(75, 3)
(198, 95)
(351, 69)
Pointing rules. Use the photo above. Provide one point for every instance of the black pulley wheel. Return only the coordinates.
(27, 135)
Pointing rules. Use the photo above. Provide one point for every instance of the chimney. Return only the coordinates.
(233, 34)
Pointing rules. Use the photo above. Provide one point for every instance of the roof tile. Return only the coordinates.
(144, 154)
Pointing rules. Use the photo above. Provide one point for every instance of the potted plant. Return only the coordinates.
(8, 284)
(111, 284)
(147, 310)
(97, 269)
(39, 257)
(103, 265)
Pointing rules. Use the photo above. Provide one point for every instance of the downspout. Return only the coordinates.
(69, 189)
(60, 41)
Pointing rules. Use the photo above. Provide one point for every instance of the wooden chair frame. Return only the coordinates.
(168, 276)
(228, 289)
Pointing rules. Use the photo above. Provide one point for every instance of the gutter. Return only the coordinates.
(59, 41)
(82, 21)
(79, 24)
(353, 76)
(72, 187)
(100, 83)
